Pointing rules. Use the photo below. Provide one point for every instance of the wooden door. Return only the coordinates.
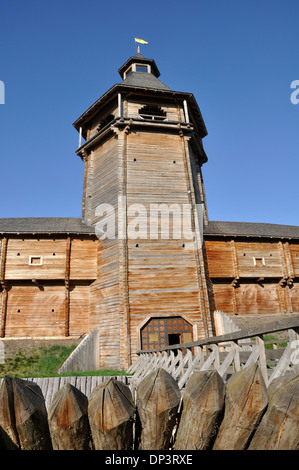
(159, 332)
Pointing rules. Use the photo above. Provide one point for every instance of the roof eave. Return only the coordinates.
(189, 97)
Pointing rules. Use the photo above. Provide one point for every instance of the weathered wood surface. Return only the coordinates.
(46, 307)
(8, 432)
(241, 263)
(68, 420)
(31, 416)
(279, 428)
(50, 385)
(202, 409)
(152, 420)
(111, 410)
(245, 401)
(158, 399)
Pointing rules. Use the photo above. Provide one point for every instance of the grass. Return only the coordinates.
(44, 362)
(274, 339)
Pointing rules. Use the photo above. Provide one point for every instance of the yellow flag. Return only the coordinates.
(141, 41)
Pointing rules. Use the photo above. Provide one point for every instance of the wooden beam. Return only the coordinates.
(3, 309)
(186, 111)
(282, 260)
(4, 287)
(289, 263)
(67, 288)
(3, 259)
(123, 249)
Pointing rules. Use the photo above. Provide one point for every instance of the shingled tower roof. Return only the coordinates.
(138, 78)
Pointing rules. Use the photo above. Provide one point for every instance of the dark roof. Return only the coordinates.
(251, 229)
(45, 225)
(144, 80)
(76, 225)
(140, 59)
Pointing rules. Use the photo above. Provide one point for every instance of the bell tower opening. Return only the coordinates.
(154, 113)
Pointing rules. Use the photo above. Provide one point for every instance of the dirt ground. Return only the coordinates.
(13, 346)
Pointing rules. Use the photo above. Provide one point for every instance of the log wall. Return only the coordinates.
(102, 187)
(164, 270)
(45, 282)
(252, 276)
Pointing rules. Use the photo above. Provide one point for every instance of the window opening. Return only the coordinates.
(128, 72)
(35, 260)
(141, 68)
(155, 113)
(174, 338)
(259, 261)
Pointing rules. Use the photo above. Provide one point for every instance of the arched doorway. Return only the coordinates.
(159, 332)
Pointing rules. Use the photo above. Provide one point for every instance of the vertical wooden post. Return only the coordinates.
(4, 309)
(120, 105)
(186, 112)
(80, 137)
(262, 358)
(236, 274)
(4, 287)
(123, 247)
(67, 288)
(236, 351)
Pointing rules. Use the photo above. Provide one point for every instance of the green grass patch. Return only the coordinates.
(273, 338)
(44, 362)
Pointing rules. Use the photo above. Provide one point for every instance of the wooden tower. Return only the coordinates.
(143, 155)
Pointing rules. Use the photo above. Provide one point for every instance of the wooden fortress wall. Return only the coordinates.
(45, 284)
(254, 275)
(249, 276)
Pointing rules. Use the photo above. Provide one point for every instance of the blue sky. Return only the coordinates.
(238, 58)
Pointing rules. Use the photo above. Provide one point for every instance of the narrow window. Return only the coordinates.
(259, 261)
(35, 260)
